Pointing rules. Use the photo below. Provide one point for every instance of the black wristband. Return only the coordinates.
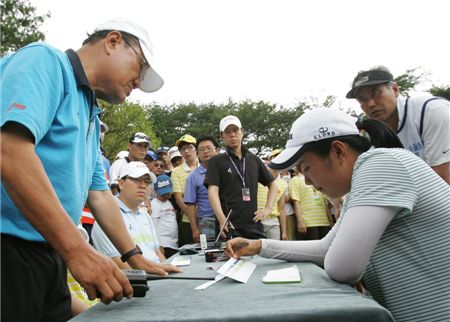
(125, 257)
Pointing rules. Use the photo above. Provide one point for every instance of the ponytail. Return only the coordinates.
(378, 134)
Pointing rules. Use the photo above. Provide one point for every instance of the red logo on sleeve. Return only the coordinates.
(17, 106)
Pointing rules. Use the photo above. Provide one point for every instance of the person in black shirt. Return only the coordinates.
(233, 179)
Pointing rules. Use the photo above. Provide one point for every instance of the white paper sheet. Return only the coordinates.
(181, 261)
(237, 269)
(284, 275)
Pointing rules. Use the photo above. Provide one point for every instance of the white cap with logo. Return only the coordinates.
(174, 152)
(229, 120)
(152, 81)
(314, 125)
(134, 169)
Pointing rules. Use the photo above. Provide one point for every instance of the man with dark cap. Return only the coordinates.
(421, 122)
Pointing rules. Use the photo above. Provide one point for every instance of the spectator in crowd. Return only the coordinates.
(175, 157)
(164, 216)
(186, 145)
(149, 160)
(421, 122)
(291, 223)
(134, 184)
(311, 210)
(201, 216)
(50, 126)
(159, 167)
(393, 201)
(163, 154)
(275, 223)
(137, 150)
(233, 179)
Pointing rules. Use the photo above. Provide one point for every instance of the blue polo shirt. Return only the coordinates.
(197, 194)
(47, 91)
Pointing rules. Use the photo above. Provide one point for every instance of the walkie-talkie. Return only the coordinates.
(138, 280)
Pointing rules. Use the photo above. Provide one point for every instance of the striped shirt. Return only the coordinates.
(179, 177)
(409, 270)
(312, 202)
(262, 196)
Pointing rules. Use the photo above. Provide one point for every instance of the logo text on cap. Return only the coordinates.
(324, 133)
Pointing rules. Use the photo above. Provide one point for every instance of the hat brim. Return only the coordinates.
(140, 141)
(287, 159)
(165, 190)
(151, 82)
(137, 173)
(352, 92)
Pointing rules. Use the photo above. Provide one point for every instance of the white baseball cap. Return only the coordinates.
(314, 125)
(139, 137)
(134, 169)
(229, 120)
(174, 152)
(152, 81)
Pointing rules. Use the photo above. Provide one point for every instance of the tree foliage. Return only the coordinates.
(20, 25)
(123, 121)
(265, 125)
(410, 79)
(441, 91)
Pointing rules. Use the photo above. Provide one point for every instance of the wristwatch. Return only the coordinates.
(125, 257)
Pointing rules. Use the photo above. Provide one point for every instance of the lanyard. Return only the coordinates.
(237, 170)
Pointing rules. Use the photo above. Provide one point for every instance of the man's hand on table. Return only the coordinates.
(140, 262)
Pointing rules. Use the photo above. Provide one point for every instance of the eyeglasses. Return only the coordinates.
(206, 148)
(159, 165)
(144, 66)
(186, 148)
(147, 182)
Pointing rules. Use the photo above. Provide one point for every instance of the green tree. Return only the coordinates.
(410, 79)
(265, 125)
(441, 91)
(20, 25)
(123, 121)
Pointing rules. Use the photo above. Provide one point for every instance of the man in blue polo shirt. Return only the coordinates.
(201, 215)
(51, 166)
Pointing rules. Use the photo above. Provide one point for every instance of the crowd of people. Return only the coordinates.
(346, 195)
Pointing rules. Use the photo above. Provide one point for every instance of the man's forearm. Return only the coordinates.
(298, 212)
(191, 212)
(271, 194)
(214, 200)
(180, 202)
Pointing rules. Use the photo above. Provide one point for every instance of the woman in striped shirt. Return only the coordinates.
(393, 232)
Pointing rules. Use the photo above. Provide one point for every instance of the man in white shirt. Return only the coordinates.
(137, 150)
(134, 185)
(421, 122)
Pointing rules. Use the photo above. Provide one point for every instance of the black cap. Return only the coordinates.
(367, 78)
